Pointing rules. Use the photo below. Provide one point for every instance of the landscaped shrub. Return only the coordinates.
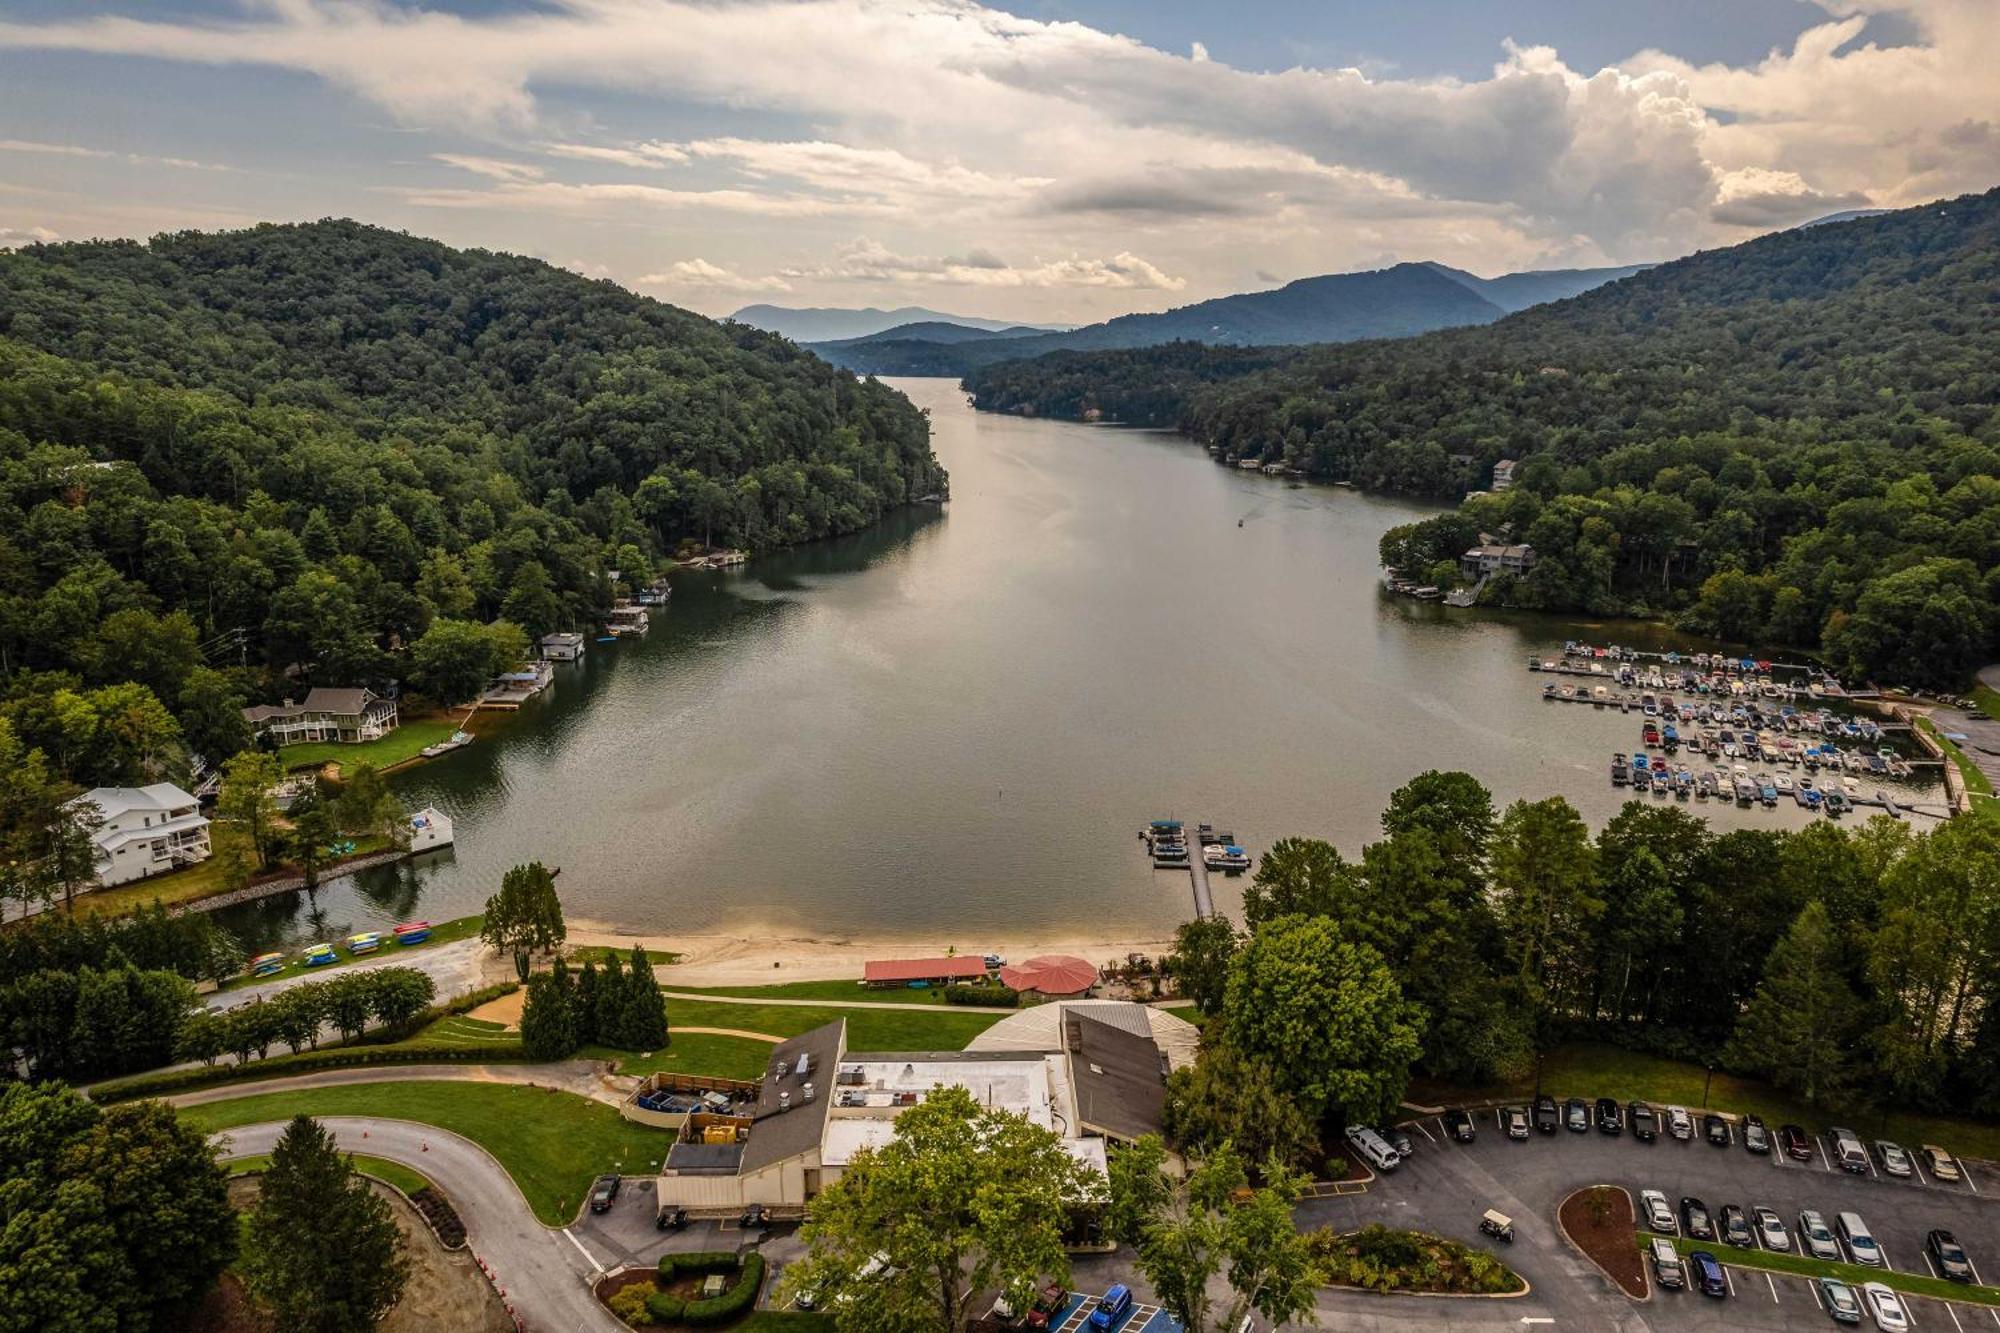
(631, 1304)
(731, 1303)
(695, 1263)
(992, 997)
(1381, 1258)
(665, 1307)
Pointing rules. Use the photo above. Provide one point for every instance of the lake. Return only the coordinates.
(961, 717)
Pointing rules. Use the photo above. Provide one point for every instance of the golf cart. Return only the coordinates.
(1497, 1225)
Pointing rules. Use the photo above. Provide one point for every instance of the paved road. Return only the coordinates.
(545, 1274)
(1446, 1186)
(581, 1077)
(455, 967)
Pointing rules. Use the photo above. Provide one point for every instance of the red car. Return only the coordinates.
(1049, 1302)
(1797, 1143)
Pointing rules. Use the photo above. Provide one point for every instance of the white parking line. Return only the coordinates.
(1425, 1132)
(591, 1258)
(1951, 1309)
(1965, 1169)
(1498, 1123)
(1825, 1154)
(1728, 1281)
(1918, 1167)
(1813, 1287)
(1773, 1286)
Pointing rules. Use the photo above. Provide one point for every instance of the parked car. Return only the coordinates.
(1644, 1120)
(1517, 1122)
(1667, 1269)
(1708, 1273)
(1815, 1238)
(1861, 1246)
(1736, 1226)
(1459, 1125)
(1576, 1115)
(1840, 1300)
(1771, 1229)
(671, 1218)
(1848, 1153)
(1890, 1316)
(1797, 1143)
(1715, 1129)
(1940, 1163)
(1610, 1116)
(1893, 1160)
(1399, 1139)
(1111, 1307)
(1373, 1148)
(1049, 1303)
(1548, 1119)
(1696, 1224)
(1756, 1138)
(1949, 1256)
(1659, 1217)
(604, 1193)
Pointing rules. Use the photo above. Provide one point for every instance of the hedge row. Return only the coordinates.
(994, 997)
(363, 1052)
(666, 1308)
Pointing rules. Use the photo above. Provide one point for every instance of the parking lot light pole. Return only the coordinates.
(1705, 1081)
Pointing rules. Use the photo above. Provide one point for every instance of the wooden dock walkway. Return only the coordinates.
(1204, 905)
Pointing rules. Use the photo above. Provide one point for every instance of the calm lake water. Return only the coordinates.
(959, 718)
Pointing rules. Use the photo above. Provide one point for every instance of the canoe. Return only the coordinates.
(266, 964)
(368, 941)
(319, 955)
(413, 932)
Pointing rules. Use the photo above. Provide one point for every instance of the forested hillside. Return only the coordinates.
(1793, 441)
(234, 466)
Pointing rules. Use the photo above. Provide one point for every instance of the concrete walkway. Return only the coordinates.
(730, 1032)
(582, 1077)
(544, 1271)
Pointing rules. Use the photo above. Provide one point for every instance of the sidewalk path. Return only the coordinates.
(582, 1077)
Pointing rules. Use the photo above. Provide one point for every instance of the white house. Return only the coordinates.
(350, 715)
(146, 830)
(1503, 474)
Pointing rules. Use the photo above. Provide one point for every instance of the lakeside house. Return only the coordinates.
(146, 831)
(1496, 558)
(1097, 1076)
(931, 971)
(350, 716)
(1503, 474)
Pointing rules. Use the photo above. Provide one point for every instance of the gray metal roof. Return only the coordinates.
(1120, 1077)
(705, 1158)
(775, 1133)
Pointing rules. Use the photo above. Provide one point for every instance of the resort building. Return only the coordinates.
(349, 715)
(926, 971)
(1495, 558)
(1092, 1073)
(146, 831)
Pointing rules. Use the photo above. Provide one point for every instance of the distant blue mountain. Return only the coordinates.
(833, 323)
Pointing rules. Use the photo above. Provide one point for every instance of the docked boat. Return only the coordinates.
(1621, 772)
(1226, 857)
(319, 955)
(1170, 856)
(1710, 786)
(368, 941)
(457, 740)
(1836, 803)
(1670, 736)
(1783, 782)
(1767, 790)
(1650, 734)
(1746, 790)
(412, 932)
(1642, 778)
(627, 621)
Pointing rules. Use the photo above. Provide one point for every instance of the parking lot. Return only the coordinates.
(1445, 1186)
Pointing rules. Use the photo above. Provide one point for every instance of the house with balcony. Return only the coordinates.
(347, 715)
(146, 831)
(1496, 558)
(1503, 474)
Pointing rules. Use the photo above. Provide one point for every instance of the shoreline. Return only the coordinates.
(760, 958)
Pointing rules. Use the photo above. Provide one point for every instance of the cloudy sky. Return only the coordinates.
(1031, 159)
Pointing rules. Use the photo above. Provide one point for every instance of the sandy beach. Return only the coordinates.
(760, 959)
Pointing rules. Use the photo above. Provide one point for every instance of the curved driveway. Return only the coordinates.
(544, 1272)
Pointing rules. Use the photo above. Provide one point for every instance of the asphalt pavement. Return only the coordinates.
(455, 967)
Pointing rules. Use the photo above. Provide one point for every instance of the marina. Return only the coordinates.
(1167, 847)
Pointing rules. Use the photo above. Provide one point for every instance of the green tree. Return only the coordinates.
(365, 807)
(1187, 1228)
(349, 1002)
(455, 659)
(398, 994)
(1327, 1015)
(1200, 961)
(532, 602)
(550, 1029)
(1296, 875)
(211, 716)
(314, 829)
(69, 850)
(963, 1199)
(320, 1249)
(1543, 882)
(644, 1022)
(245, 800)
(1799, 1027)
(1225, 1097)
(525, 918)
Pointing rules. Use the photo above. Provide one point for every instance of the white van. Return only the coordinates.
(1861, 1246)
(1373, 1147)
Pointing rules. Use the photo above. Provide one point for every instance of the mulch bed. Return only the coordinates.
(1607, 1243)
(444, 1220)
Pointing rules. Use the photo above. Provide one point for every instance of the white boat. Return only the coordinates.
(456, 740)
(628, 621)
(429, 828)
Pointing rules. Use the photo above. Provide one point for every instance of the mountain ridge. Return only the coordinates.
(811, 324)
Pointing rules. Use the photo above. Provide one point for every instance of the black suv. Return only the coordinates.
(1610, 1116)
(1459, 1125)
(1547, 1118)
(1756, 1138)
(1949, 1256)
(1715, 1129)
(1645, 1122)
(604, 1193)
(671, 1218)
(1576, 1115)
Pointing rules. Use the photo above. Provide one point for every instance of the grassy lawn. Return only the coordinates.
(1853, 1274)
(552, 1143)
(783, 1321)
(1988, 700)
(694, 1053)
(465, 928)
(203, 880)
(1975, 781)
(597, 953)
(1593, 1070)
(395, 1173)
(948, 1029)
(1188, 1012)
(398, 747)
(459, 1030)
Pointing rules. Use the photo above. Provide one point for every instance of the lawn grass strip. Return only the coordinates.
(1799, 1265)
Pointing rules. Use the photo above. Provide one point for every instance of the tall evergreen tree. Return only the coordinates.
(1798, 1029)
(321, 1249)
(645, 1025)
